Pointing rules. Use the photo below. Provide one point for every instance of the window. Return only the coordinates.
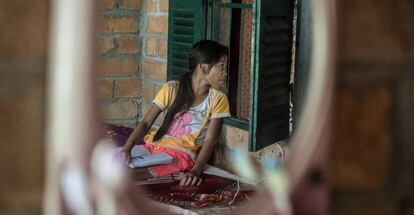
(259, 35)
(231, 24)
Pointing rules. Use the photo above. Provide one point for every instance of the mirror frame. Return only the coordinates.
(72, 90)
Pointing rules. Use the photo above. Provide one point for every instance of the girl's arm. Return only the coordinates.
(193, 176)
(142, 128)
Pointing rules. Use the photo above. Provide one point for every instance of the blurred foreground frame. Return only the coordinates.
(73, 126)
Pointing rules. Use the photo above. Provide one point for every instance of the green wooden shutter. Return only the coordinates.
(187, 24)
(271, 71)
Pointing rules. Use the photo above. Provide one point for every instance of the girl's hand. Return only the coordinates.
(191, 178)
(126, 155)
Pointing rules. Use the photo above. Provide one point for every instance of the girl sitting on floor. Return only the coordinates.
(193, 108)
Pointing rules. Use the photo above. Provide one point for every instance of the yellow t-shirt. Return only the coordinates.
(188, 130)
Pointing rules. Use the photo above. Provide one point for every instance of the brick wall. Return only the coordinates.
(119, 69)
(132, 44)
(154, 54)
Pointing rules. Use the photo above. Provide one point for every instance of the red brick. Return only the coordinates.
(163, 49)
(106, 4)
(151, 46)
(130, 4)
(155, 70)
(117, 24)
(127, 88)
(362, 128)
(163, 5)
(127, 46)
(105, 89)
(104, 44)
(157, 25)
(152, 6)
(117, 67)
(120, 110)
(148, 94)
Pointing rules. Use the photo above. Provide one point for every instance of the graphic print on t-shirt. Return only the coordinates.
(181, 125)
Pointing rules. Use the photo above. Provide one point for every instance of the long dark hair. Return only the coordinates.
(203, 52)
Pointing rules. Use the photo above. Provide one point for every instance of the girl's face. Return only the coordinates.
(218, 73)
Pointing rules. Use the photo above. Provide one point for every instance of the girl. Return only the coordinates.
(193, 109)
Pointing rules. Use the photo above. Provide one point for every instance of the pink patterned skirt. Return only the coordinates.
(182, 161)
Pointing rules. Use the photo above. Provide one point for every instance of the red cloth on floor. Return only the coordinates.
(215, 191)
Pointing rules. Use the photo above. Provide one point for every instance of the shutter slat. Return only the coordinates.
(281, 100)
(179, 69)
(179, 12)
(183, 30)
(180, 63)
(277, 60)
(275, 72)
(276, 48)
(183, 38)
(274, 23)
(278, 113)
(276, 37)
(277, 126)
(273, 86)
(179, 55)
(181, 45)
(185, 22)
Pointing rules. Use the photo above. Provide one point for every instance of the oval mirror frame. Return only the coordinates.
(310, 137)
